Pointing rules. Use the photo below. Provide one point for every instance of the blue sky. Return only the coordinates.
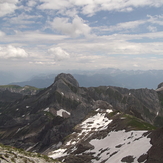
(47, 35)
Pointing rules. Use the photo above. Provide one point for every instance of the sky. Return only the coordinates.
(48, 35)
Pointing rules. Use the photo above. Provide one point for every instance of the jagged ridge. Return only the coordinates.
(41, 122)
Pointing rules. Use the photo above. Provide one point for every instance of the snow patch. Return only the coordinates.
(134, 144)
(98, 122)
(85, 130)
(112, 148)
(47, 109)
(58, 153)
(157, 113)
(98, 109)
(109, 110)
(61, 111)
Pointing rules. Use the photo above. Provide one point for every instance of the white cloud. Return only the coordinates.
(152, 28)
(2, 34)
(23, 19)
(75, 28)
(55, 4)
(31, 3)
(90, 7)
(69, 12)
(125, 25)
(94, 50)
(132, 25)
(115, 44)
(12, 52)
(7, 7)
(59, 54)
(127, 5)
(29, 37)
(157, 19)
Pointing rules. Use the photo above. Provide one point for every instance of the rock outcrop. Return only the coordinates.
(12, 155)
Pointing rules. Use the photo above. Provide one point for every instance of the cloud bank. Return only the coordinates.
(81, 34)
(90, 7)
(59, 54)
(8, 7)
(12, 52)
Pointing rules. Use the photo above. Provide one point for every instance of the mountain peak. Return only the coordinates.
(160, 87)
(68, 78)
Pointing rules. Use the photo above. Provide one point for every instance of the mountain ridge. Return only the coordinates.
(43, 122)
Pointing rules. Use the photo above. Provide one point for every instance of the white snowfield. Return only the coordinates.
(112, 148)
(120, 144)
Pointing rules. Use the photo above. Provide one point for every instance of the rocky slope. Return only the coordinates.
(37, 122)
(26, 90)
(10, 93)
(107, 136)
(13, 155)
(45, 121)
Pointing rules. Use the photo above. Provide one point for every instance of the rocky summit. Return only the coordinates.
(75, 124)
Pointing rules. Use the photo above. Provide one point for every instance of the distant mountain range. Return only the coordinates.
(6, 77)
(109, 77)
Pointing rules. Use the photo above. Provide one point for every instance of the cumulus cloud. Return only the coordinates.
(12, 52)
(59, 54)
(7, 7)
(75, 28)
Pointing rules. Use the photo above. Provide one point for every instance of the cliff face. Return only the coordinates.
(142, 103)
(41, 122)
